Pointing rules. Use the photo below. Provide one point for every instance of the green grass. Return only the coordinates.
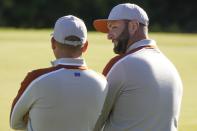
(24, 50)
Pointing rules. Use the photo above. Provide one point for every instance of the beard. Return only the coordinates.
(120, 45)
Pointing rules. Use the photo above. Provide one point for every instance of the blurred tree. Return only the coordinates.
(168, 15)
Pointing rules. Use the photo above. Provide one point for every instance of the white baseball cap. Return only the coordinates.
(70, 26)
(126, 11)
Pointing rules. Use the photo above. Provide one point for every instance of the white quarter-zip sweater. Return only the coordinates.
(65, 97)
(145, 91)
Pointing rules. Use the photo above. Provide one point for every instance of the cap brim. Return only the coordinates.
(101, 25)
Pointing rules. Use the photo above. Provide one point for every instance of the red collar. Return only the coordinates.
(118, 57)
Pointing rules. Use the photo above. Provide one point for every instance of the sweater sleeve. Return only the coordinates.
(22, 103)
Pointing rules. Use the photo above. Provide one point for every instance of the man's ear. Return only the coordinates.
(53, 43)
(85, 47)
(133, 26)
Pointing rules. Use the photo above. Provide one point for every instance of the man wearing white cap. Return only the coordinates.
(145, 89)
(67, 96)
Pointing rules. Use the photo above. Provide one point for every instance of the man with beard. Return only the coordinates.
(145, 89)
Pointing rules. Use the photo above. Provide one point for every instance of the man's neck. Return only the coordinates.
(68, 55)
(135, 39)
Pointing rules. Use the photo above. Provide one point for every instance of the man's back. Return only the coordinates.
(68, 100)
(148, 93)
(63, 99)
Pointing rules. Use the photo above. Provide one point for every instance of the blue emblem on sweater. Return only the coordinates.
(77, 74)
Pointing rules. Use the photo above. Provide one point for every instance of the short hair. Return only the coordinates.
(143, 27)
